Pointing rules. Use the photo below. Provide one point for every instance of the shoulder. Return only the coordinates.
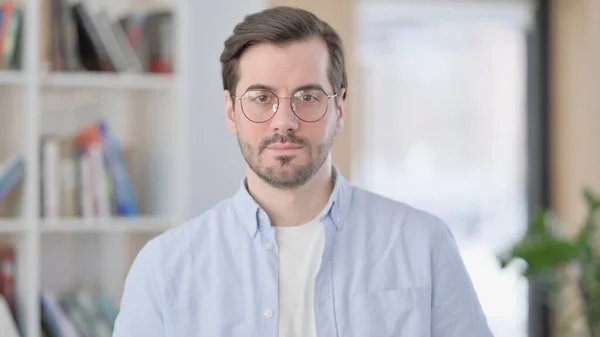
(193, 233)
(392, 231)
(394, 213)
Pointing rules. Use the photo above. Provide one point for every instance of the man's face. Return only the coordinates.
(285, 151)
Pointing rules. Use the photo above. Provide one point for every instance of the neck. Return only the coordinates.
(297, 206)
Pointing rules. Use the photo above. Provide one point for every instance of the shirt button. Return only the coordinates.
(268, 313)
(338, 219)
(269, 246)
(261, 216)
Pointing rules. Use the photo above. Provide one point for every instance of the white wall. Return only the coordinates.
(216, 164)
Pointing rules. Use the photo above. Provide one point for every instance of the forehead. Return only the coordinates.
(285, 67)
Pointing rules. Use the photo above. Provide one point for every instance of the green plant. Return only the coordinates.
(545, 250)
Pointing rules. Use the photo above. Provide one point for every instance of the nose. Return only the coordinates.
(284, 121)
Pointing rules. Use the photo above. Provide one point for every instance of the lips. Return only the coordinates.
(284, 143)
(284, 146)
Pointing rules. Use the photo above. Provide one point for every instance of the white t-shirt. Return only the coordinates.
(300, 253)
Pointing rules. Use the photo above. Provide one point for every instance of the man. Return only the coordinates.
(297, 251)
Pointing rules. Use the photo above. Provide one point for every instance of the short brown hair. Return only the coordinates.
(281, 25)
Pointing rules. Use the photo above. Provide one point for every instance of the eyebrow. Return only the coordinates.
(309, 86)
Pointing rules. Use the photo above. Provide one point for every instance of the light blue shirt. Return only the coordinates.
(387, 270)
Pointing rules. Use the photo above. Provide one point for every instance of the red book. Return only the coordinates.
(7, 276)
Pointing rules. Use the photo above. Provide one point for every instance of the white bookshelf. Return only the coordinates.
(12, 78)
(12, 227)
(125, 225)
(114, 81)
(149, 115)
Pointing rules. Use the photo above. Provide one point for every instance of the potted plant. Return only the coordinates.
(556, 260)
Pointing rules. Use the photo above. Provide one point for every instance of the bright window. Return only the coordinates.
(440, 124)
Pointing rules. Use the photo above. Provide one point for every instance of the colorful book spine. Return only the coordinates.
(122, 187)
(11, 174)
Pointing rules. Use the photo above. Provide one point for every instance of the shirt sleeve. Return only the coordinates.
(140, 312)
(456, 310)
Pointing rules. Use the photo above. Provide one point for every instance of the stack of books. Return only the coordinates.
(82, 37)
(85, 175)
(77, 313)
(11, 36)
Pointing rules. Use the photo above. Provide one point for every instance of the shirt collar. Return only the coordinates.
(337, 207)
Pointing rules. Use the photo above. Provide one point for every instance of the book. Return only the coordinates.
(11, 174)
(78, 312)
(86, 174)
(81, 35)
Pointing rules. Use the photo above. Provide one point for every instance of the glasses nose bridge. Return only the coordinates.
(280, 98)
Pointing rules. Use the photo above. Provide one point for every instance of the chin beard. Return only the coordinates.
(285, 175)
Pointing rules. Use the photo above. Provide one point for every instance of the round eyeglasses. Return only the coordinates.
(309, 105)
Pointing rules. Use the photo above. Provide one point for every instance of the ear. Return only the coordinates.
(230, 112)
(339, 123)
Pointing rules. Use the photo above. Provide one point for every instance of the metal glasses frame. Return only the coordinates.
(278, 100)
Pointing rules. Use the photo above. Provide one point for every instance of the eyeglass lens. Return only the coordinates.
(307, 105)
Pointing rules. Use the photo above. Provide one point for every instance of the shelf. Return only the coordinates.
(12, 226)
(146, 113)
(102, 80)
(12, 77)
(108, 225)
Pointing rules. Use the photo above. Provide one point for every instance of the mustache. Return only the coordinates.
(283, 138)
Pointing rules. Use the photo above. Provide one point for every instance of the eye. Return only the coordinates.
(259, 97)
(307, 96)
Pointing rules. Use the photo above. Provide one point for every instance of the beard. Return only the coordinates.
(285, 174)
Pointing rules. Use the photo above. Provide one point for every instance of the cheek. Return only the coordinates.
(319, 132)
(251, 133)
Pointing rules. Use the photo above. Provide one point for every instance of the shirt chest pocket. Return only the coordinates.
(398, 312)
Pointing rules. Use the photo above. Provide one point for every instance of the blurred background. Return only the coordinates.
(112, 131)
